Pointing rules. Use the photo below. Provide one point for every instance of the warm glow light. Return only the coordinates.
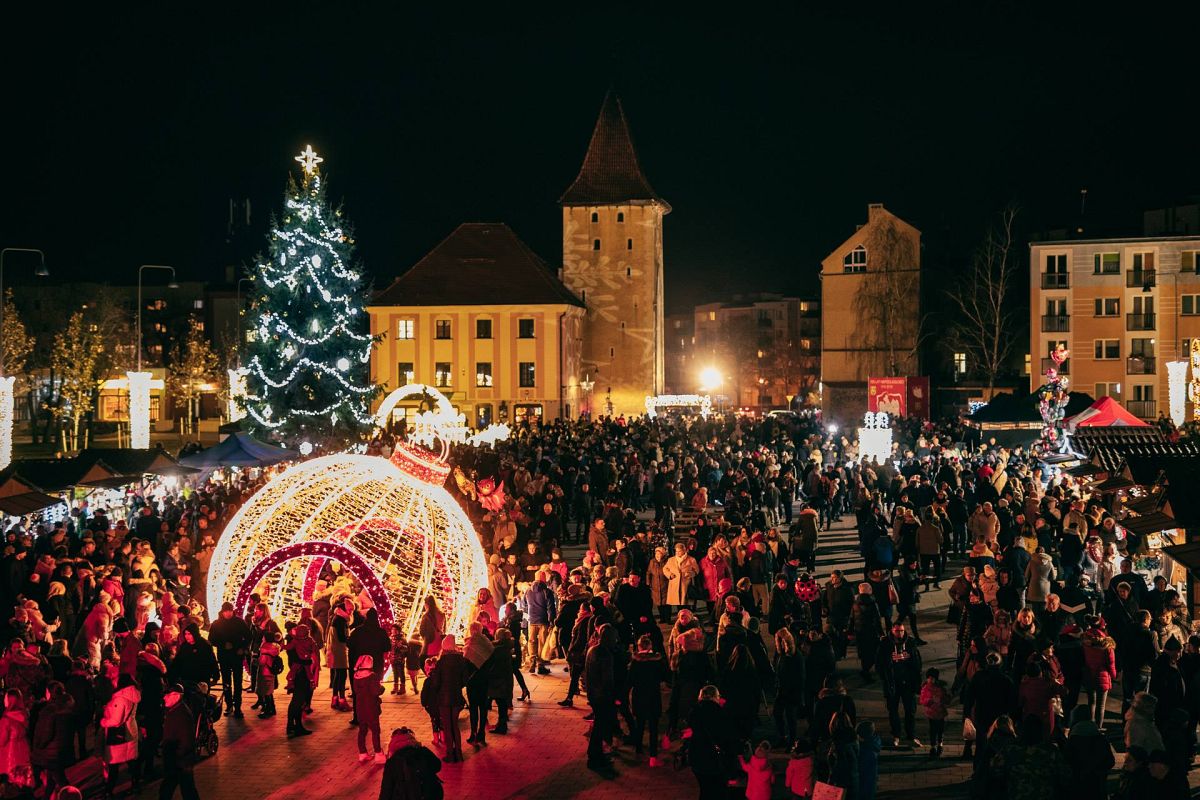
(875, 438)
(441, 423)
(237, 393)
(6, 420)
(1177, 388)
(309, 160)
(702, 401)
(710, 379)
(139, 409)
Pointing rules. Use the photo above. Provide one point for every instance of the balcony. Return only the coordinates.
(1140, 365)
(1059, 323)
(1064, 369)
(1055, 280)
(1143, 278)
(1142, 408)
(1138, 322)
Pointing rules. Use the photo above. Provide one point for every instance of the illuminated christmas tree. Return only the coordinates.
(308, 363)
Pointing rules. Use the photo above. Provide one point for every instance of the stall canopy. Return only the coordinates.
(1105, 412)
(18, 505)
(1009, 408)
(239, 450)
(133, 462)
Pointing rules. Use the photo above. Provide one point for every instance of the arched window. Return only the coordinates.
(855, 260)
(620, 216)
(595, 217)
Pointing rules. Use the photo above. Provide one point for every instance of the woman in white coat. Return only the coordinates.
(680, 570)
(119, 729)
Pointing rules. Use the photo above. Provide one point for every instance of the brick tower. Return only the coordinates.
(613, 261)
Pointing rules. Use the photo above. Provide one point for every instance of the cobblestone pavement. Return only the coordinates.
(543, 755)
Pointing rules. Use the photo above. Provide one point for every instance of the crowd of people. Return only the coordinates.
(694, 625)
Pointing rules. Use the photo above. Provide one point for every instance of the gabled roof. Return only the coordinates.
(130, 461)
(478, 264)
(56, 474)
(610, 173)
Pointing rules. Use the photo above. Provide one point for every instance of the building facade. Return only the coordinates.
(1123, 307)
(613, 262)
(871, 312)
(484, 320)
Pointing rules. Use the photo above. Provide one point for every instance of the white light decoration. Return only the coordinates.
(442, 422)
(139, 409)
(306, 448)
(1177, 390)
(237, 393)
(343, 364)
(309, 160)
(6, 420)
(875, 438)
(389, 522)
(1194, 383)
(701, 401)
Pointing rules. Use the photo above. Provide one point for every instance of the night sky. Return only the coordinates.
(768, 132)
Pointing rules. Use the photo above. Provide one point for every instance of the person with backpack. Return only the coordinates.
(411, 770)
(230, 636)
(268, 666)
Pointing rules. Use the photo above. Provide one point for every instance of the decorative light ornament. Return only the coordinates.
(442, 422)
(655, 402)
(139, 409)
(309, 160)
(316, 326)
(390, 523)
(1194, 383)
(6, 419)
(306, 448)
(1177, 390)
(343, 363)
(875, 438)
(237, 393)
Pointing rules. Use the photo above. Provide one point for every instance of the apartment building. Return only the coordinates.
(1124, 308)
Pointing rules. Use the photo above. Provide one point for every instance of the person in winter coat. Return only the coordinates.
(24, 669)
(800, 776)
(844, 752)
(898, 663)
(477, 650)
(693, 670)
(119, 728)
(194, 660)
(934, 698)
(838, 602)
(658, 582)
(988, 696)
(714, 568)
(267, 680)
(709, 734)
(646, 674)
(790, 680)
(230, 635)
(680, 570)
(305, 660)
(759, 776)
(1089, 756)
(1140, 730)
(179, 747)
(1100, 667)
(600, 679)
(151, 675)
(869, 746)
(367, 707)
(446, 684)
(1035, 698)
(15, 755)
(410, 772)
(1166, 682)
(867, 625)
(500, 672)
(1038, 577)
(432, 627)
(337, 652)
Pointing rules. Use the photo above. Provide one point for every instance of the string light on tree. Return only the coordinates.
(308, 362)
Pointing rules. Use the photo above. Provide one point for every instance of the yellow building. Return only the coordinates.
(870, 311)
(484, 319)
(613, 261)
(1124, 308)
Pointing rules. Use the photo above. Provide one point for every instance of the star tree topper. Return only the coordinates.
(309, 160)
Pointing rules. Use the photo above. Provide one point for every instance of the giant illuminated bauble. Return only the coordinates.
(389, 522)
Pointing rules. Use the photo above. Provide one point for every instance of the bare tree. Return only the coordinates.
(888, 302)
(193, 363)
(740, 347)
(981, 325)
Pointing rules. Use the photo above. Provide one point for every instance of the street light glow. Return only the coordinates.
(710, 378)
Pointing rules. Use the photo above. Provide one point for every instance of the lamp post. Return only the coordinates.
(8, 384)
(587, 384)
(138, 381)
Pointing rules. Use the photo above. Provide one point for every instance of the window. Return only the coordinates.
(1143, 392)
(1056, 264)
(404, 329)
(1107, 263)
(595, 244)
(595, 217)
(442, 329)
(1056, 308)
(441, 373)
(405, 373)
(197, 304)
(1141, 348)
(960, 363)
(1189, 305)
(1143, 261)
(1188, 260)
(1028, 363)
(525, 329)
(620, 216)
(483, 373)
(1108, 390)
(526, 374)
(1107, 349)
(1185, 348)
(483, 329)
(855, 260)
(629, 244)
(629, 272)
(1108, 306)
(712, 316)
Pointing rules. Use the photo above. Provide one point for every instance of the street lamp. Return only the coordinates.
(710, 378)
(7, 385)
(172, 284)
(41, 272)
(587, 385)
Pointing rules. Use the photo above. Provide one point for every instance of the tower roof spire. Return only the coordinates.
(610, 173)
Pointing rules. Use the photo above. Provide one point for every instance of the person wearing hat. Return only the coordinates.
(410, 770)
(230, 635)
(178, 747)
(367, 707)
(445, 686)
(1166, 682)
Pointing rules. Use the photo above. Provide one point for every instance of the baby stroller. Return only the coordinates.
(207, 707)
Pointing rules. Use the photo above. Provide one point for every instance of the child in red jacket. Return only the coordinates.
(933, 700)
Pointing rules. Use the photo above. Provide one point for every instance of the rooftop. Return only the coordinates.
(610, 173)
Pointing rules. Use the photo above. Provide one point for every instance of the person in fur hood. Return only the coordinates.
(1140, 730)
(1100, 662)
